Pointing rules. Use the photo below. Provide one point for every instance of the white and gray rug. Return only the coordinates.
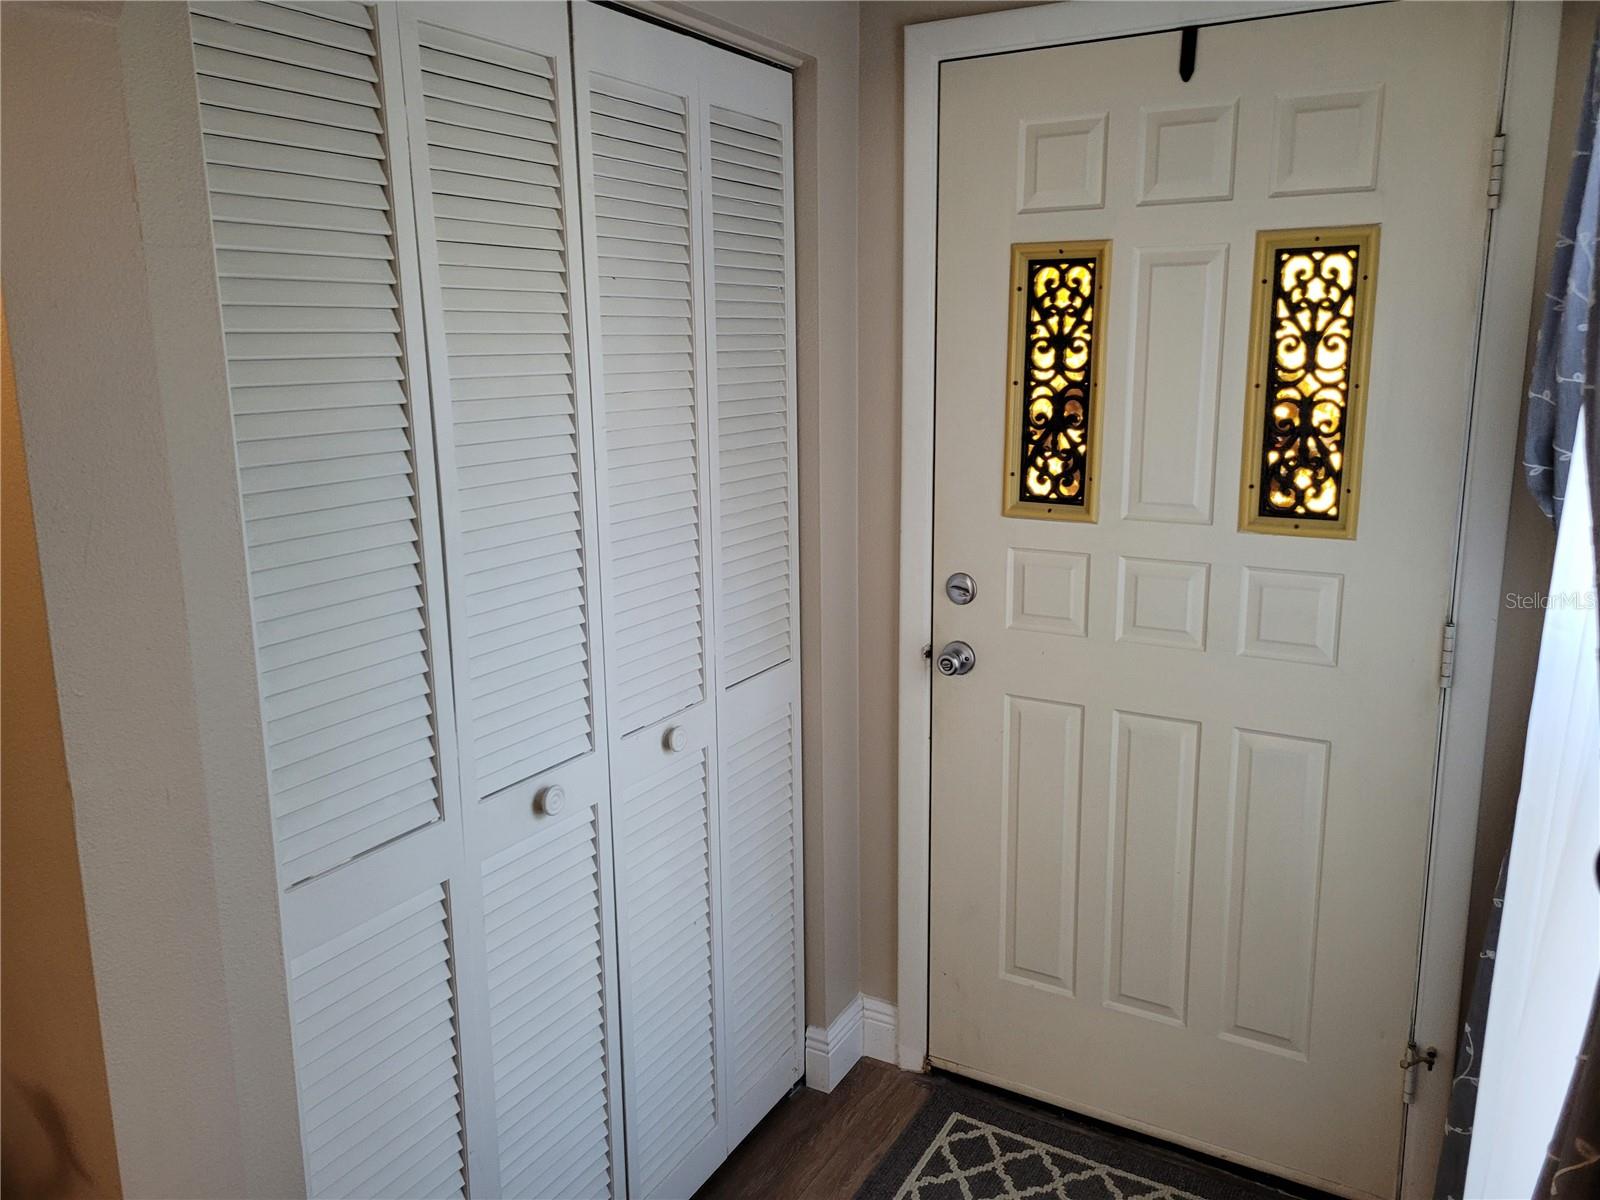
(962, 1146)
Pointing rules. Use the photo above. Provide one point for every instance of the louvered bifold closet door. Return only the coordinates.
(639, 158)
(308, 178)
(490, 113)
(684, 151)
(746, 173)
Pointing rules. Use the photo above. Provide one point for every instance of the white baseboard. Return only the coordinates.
(878, 1029)
(866, 1028)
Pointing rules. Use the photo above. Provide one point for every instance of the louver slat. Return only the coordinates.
(664, 901)
(375, 1044)
(544, 957)
(748, 281)
(301, 219)
(756, 794)
(507, 337)
(642, 227)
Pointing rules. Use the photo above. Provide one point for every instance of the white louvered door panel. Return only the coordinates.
(684, 151)
(747, 178)
(669, 1017)
(302, 221)
(546, 950)
(639, 140)
(489, 112)
(638, 170)
(316, 265)
(752, 382)
(761, 899)
(374, 1022)
(489, 175)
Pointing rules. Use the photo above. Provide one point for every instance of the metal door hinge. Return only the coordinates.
(1497, 168)
(1447, 656)
(1413, 1058)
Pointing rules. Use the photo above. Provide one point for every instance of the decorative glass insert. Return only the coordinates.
(1052, 397)
(1311, 331)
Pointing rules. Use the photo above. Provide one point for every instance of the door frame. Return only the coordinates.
(1494, 411)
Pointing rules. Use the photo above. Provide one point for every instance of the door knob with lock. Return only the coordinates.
(961, 588)
(956, 658)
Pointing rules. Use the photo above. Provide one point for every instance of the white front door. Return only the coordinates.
(1181, 802)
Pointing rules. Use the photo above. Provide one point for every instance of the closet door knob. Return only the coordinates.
(674, 739)
(550, 800)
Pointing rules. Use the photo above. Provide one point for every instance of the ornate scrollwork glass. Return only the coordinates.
(1053, 386)
(1305, 394)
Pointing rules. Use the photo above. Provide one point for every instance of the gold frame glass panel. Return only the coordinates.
(1056, 345)
(1305, 402)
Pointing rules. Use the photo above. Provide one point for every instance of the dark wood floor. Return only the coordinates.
(822, 1147)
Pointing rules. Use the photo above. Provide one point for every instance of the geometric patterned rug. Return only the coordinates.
(962, 1146)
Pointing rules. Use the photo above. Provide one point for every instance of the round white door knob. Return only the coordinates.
(675, 738)
(551, 800)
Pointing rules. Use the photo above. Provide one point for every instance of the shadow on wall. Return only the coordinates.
(38, 1160)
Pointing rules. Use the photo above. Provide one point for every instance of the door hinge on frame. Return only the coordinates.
(1497, 168)
(1413, 1058)
(1447, 656)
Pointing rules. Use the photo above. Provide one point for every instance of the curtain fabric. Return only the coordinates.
(1547, 960)
(1562, 366)
(1572, 1164)
(1452, 1178)
(1566, 370)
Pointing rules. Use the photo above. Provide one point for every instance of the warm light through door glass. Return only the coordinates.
(1052, 409)
(1312, 317)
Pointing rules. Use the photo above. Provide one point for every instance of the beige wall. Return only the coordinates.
(878, 458)
(57, 1110)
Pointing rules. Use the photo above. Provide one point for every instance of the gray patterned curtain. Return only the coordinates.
(1560, 385)
(1451, 1181)
(1559, 390)
(1566, 371)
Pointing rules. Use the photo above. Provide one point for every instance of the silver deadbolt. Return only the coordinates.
(956, 658)
(961, 588)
